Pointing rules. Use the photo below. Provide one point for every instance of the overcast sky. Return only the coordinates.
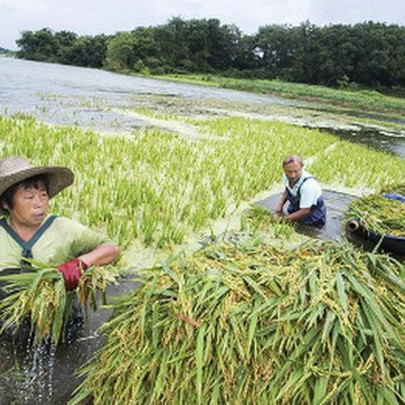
(109, 16)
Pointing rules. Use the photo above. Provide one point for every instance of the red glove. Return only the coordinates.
(72, 271)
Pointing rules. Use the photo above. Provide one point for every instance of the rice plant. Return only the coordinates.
(160, 189)
(248, 323)
(379, 213)
(258, 219)
(39, 297)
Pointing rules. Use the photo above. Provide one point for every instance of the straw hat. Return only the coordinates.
(14, 169)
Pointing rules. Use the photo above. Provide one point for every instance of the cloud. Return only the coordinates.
(357, 11)
(106, 16)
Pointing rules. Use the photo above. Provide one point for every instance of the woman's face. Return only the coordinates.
(30, 206)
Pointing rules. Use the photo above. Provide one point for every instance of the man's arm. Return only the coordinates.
(280, 205)
(298, 215)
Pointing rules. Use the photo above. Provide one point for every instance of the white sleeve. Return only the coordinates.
(310, 192)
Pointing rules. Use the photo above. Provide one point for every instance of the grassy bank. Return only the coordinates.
(369, 100)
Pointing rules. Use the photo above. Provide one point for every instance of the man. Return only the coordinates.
(28, 232)
(304, 194)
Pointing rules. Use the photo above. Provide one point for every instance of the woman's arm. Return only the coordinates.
(103, 254)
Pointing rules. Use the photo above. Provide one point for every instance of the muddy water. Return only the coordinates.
(46, 376)
(376, 139)
(98, 99)
(336, 205)
(62, 94)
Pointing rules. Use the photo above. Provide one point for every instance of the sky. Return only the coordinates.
(92, 17)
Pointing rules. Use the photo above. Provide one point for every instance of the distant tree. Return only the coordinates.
(120, 52)
(306, 48)
(381, 55)
(148, 49)
(223, 44)
(278, 47)
(88, 51)
(65, 40)
(248, 56)
(172, 38)
(367, 54)
(145, 44)
(40, 45)
(328, 56)
(198, 44)
(395, 39)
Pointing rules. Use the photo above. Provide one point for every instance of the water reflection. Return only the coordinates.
(375, 139)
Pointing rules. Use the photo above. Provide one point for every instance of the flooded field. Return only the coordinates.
(217, 144)
(106, 102)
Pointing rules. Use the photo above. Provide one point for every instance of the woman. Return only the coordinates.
(27, 231)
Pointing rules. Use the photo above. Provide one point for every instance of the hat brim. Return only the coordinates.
(58, 179)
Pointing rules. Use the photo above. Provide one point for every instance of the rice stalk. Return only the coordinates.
(38, 296)
(380, 214)
(253, 324)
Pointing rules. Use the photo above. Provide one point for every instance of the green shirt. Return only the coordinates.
(62, 241)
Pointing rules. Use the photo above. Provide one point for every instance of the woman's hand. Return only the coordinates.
(72, 270)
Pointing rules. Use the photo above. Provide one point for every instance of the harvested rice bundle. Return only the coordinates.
(394, 188)
(39, 297)
(93, 283)
(379, 213)
(258, 218)
(257, 325)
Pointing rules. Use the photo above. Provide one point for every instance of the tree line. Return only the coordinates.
(367, 54)
(5, 51)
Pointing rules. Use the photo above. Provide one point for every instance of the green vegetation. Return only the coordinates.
(7, 52)
(257, 219)
(240, 322)
(361, 116)
(159, 188)
(364, 100)
(245, 322)
(367, 55)
(39, 297)
(63, 47)
(380, 214)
